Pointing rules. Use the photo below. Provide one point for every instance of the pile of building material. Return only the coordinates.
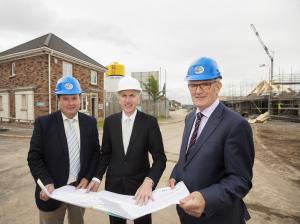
(260, 119)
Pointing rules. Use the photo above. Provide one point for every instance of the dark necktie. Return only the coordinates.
(195, 132)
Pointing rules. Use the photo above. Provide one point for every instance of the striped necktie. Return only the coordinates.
(74, 149)
(195, 132)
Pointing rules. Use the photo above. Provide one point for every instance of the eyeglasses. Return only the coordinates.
(205, 86)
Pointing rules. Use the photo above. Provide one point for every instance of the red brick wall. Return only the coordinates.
(33, 72)
(83, 74)
(30, 72)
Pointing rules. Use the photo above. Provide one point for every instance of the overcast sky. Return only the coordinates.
(166, 34)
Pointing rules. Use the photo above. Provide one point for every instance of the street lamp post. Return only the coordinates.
(270, 83)
(270, 77)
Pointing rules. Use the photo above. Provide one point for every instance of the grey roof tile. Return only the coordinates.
(53, 42)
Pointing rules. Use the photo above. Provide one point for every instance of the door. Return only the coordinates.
(94, 107)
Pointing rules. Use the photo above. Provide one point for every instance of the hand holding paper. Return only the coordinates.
(46, 190)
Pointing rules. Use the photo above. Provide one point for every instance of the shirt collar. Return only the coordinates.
(209, 110)
(74, 118)
(132, 116)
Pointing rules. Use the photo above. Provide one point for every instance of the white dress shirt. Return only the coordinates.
(205, 116)
(71, 178)
(127, 128)
(77, 131)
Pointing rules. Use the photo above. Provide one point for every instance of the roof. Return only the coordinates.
(263, 88)
(53, 42)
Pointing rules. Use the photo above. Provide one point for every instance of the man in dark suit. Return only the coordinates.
(216, 155)
(64, 149)
(128, 137)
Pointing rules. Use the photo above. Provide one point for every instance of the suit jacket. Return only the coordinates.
(219, 165)
(125, 173)
(48, 156)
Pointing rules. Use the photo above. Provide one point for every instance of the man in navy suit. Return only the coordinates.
(64, 149)
(216, 155)
(128, 139)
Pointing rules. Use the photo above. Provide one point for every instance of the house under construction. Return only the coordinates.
(281, 99)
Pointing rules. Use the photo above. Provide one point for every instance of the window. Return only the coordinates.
(1, 103)
(83, 103)
(93, 77)
(13, 69)
(67, 69)
(23, 102)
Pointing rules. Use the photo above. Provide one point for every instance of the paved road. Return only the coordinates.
(273, 199)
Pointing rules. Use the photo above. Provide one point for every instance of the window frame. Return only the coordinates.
(24, 104)
(83, 102)
(67, 69)
(95, 77)
(13, 69)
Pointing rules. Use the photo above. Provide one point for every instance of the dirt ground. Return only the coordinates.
(274, 198)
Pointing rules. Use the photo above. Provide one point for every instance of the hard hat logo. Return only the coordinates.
(198, 70)
(69, 86)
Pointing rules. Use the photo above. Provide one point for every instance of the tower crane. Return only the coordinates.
(271, 68)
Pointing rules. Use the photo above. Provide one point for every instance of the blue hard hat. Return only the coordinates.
(203, 69)
(67, 85)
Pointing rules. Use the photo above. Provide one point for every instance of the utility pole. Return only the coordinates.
(271, 68)
(166, 112)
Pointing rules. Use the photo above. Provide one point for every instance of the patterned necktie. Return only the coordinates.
(126, 134)
(74, 149)
(195, 132)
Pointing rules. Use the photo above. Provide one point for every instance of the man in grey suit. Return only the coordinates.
(216, 155)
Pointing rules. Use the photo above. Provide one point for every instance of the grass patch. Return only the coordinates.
(100, 123)
(161, 118)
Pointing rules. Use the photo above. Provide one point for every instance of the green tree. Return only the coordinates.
(151, 87)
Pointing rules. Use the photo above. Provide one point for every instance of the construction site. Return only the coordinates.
(278, 99)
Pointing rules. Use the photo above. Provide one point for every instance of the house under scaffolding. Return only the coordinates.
(285, 99)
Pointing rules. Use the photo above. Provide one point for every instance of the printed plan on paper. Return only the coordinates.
(118, 204)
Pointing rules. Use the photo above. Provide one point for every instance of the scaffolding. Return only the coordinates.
(281, 99)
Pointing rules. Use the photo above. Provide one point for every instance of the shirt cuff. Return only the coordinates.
(96, 179)
(148, 178)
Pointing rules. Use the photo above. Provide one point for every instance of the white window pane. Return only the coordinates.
(93, 77)
(24, 101)
(83, 104)
(67, 69)
(13, 69)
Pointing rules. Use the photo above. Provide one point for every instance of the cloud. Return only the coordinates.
(148, 35)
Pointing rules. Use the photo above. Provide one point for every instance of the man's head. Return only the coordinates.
(204, 82)
(129, 91)
(68, 91)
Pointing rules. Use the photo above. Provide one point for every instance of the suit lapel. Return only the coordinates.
(118, 132)
(187, 132)
(210, 126)
(83, 138)
(62, 133)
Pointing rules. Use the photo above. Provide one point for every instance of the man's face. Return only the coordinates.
(128, 100)
(204, 93)
(69, 104)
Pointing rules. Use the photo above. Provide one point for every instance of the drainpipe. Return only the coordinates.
(49, 81)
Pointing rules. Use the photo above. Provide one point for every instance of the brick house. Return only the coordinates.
(29, 72)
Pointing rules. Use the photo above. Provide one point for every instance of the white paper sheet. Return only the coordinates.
(118, 204)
